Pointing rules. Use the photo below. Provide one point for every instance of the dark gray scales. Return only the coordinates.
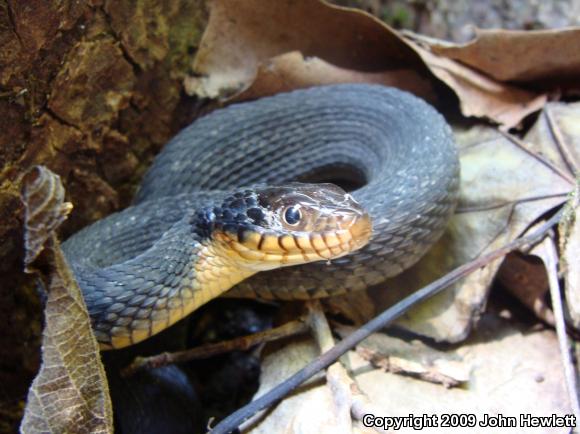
(399, 145)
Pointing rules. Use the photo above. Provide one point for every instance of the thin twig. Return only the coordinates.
(336, 376)
(551, 258)
(344, 388)
(319, 326)
(414, 368)
(567, 156)
(522, 145)
(242, 343)
(461, 210)
(231, 422)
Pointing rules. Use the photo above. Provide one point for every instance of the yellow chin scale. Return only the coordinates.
(214, 274)
(259, 252)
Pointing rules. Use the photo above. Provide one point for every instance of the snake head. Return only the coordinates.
(268, 227)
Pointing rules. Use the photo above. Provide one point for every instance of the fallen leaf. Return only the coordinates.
(504, 188)
(525, 277)
(499, 377)
(479, 95)
(242, 35)
(70, 392)
(548, 59)
(291, 71)
(246, 43)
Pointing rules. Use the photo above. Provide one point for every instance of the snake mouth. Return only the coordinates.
(269, 250)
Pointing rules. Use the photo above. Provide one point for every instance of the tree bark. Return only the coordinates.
(92, 89)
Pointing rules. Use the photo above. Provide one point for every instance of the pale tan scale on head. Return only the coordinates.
(296, 224)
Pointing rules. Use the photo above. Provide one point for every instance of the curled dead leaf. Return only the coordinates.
(479, 95)
(70, 392)
(292, 70)
(548, 59)
(241, 36)
(251, 47)
(45, 209)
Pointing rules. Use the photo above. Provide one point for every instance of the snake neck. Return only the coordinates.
(215, 273)
(137, 298)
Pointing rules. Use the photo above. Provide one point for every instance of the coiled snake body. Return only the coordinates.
(206, 218)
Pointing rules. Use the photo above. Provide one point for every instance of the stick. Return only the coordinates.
(242, 343)
(551, 263)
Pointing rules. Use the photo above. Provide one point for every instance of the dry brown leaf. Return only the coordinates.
(292, 71)
(242, 35)
(541, 58)
(70, 392)
(414, 359)
(504, 188)
(499, 377)
(527, 280)
(480, 96)
(247, 43)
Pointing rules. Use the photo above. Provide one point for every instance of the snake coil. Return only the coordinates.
(136, 267)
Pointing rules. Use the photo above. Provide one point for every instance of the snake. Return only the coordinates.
(245, 202)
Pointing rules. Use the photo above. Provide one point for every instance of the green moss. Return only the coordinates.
(397, 16)
(185, 33)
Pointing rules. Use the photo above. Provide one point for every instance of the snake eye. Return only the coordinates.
(292, 215)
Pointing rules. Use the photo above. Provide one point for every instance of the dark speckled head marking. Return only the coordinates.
(272, 226)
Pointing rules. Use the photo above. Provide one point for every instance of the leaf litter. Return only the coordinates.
(506, 185)
(499, 380)
(242, 38)
(256, 49)
(522, 57)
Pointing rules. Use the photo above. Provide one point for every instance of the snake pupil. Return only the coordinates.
(292, 215)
